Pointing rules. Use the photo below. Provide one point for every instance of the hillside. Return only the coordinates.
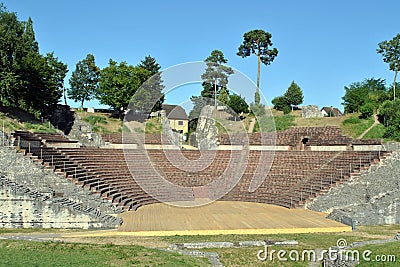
(16, 119)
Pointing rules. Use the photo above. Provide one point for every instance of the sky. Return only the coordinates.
(323, 45)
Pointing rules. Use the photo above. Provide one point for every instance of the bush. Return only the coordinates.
(352, 120)
(367, 110)
(286, 110)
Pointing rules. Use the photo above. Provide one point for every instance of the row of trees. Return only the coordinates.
(372, 96)
(116, 84)
(215, 78)
(28, 80)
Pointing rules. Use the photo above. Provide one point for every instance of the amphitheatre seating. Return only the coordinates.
(294, 136)
(295, 176)
(153, 139)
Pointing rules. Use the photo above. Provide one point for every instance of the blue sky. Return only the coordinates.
(323, 45)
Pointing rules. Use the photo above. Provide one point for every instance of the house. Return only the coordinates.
(177, 117)
(331, 112)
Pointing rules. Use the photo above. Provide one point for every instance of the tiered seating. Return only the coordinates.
(315, 136)
(295, 176)
(154, 139)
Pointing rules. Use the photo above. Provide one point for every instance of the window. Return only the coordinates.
(180, 123)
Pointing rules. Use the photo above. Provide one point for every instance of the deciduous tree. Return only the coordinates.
(390, 51)
(84, 81)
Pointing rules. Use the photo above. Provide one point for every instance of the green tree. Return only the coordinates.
(118, 83)
(223, 96)
(280, 103)
(390, 51)
(294, 95)
(238, 104)
(149, 63)
(358, 93)
(216, 73)
(389, 115)
(84, 81)
(258, 42)
(28, 80)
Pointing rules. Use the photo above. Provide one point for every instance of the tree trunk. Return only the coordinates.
(215, 94)
(65, 96)
(258, 71)
(394, 84)
(82, 104)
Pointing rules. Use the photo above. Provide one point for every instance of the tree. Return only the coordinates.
(216, 73)
(223, 96)
(118, 83)
(238, 104)
(280, 103)
(390, 51)
(389, 115)
(28, 80)
(149, 63)
(359, 93)
(84, 81)
(258, 42)
(294, 95)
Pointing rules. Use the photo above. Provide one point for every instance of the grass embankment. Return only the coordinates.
(132, 251)
(12, 119)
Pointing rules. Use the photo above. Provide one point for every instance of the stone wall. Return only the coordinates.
(82, 131)
(372, 197)
(311, 111)
(206, 131)
(31, 196)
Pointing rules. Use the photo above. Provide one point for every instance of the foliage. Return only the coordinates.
(238, 104)
(286, 110)
(84, 80)
(280, 102)
(28, 80)
(223, 96)
(216, 75)
(367, 110)
(390, 51)
(118, 84)
(198, 104)
(149, 63)
(294, 95)
(389, 115)
(258, 42)
(359, 93)
(257, 109)
(352, 120)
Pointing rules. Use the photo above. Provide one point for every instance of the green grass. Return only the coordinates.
(25, 253)
(354, 126)
(376, 132)
(269, 123)
(384, 252)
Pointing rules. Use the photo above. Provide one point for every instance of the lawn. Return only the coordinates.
(25, 253)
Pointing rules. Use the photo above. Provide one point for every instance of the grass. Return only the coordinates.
(25, 253)
(101, 122)
(278, 123)
(99, 251)
(354, 127)
(153, 125)
(376, 132)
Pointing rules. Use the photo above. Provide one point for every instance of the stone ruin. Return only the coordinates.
(311, 111)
